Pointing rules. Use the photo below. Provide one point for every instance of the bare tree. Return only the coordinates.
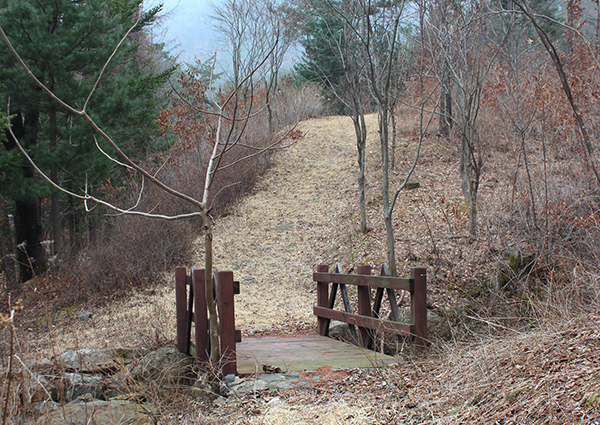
(458, 42)
(377, 28)
(249, 29)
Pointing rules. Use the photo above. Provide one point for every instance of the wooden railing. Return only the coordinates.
(192, 309)
(367, 318)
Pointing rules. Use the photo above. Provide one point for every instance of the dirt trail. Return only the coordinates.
(277, 235)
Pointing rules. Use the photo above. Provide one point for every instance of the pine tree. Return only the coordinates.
(66, 44)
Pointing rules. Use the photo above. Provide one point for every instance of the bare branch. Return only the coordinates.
(87, 100)
(109, 157)
(87, 197)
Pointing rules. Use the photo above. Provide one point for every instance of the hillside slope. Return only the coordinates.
(303, 212)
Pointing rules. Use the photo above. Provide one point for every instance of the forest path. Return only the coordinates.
(275, 236)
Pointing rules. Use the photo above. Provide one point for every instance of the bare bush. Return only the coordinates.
(294, 102)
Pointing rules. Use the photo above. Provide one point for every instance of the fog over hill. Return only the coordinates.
(186, 29)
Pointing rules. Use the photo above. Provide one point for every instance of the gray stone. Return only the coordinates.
(165, 366)
(341, 331)
(43, 407)
(42, 386)
(98, 412)
(86, 360)
(116, 385)
(84, 316)
(127, 355)
(202, 388)
(220, 401)
(79, 384)
(265, 382)
(437, 326)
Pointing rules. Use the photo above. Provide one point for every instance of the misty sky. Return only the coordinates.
(188, 33)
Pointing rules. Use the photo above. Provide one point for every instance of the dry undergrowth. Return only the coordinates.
(304, 212)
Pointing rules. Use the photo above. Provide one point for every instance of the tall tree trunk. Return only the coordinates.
(31, 255)
(445, 103)
(210, 301)
(385, 187)
(7, 255)
(394, 139)
(473, 216)
(360, 129)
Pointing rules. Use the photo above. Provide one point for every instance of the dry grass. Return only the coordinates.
(549, 375)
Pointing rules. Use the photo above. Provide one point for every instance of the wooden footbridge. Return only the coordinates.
(305, 352)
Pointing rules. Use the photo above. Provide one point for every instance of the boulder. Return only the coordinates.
(437, 326)
(341, 331)
(78, 384)
(165, 366)
(39, 387)
(86, 360)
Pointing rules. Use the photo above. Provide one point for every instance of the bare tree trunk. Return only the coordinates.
(31, 255)
(445, 103)
(473, 215)
(361, 140)
(210, 301)
(464, 169)
(385, 188)
(394, 138)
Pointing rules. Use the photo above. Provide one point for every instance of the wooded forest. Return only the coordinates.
(117, 159)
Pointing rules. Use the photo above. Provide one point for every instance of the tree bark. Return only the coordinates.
(210, 301)
(360, 129)
(7, 255)
(31, 255)
(385, 188)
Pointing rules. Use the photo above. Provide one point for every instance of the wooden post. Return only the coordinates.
(364, 307)
(323, 300)
(227, 319)
(418, 308)
(200, 315)
(181, 306)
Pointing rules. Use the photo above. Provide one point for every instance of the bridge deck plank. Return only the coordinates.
(306, 352)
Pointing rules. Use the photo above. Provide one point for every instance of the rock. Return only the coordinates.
(86, 360)
(437, 326)
(202, 388)
(84, 316)
(265, 382)
(165, 366)
(78, 384)
(220, 401)
(116, 385)
(42, 386)
(99, 412)
(127, 355)
(43, 407)
(341, 331)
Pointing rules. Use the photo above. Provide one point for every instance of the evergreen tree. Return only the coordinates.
(66, 44)
(322, 40)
